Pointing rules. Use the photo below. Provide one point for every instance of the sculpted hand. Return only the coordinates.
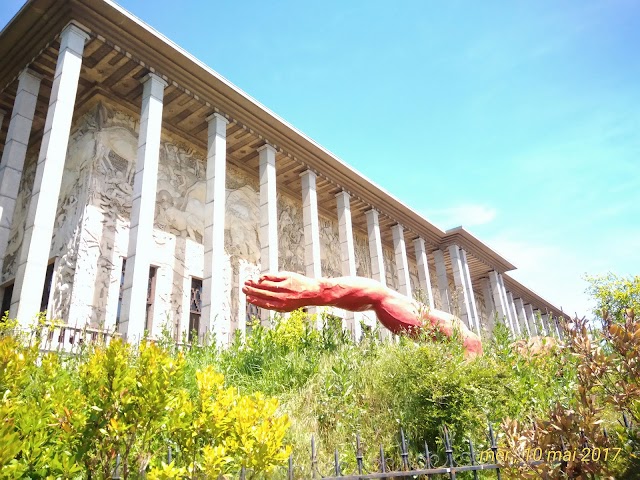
(282, 291)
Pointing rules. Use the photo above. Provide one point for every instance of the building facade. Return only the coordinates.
(139, 190)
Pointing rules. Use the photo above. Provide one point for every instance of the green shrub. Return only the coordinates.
(70, 417)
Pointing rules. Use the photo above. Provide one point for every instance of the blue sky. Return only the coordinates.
(519, 120)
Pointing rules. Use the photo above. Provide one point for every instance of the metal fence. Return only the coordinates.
(70, 339)
(426, 464)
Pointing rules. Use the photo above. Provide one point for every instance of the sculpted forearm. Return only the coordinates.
(286, 291)
(395, 311)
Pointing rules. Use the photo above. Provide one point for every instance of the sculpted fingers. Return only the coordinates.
(266, 293)
(274, 277)
(268, 303)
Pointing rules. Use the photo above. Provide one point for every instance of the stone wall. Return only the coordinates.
(179, 226)
(64, 242)
(91, 230)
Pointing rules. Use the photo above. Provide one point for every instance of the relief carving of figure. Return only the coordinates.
(121, 142)
(184, 223)
(117, 193)
(64, 280)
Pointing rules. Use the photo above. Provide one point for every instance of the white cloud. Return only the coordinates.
(465, 214)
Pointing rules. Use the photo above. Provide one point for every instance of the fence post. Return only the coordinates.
(427, 458)
(449, 451)
(116, 470)
(314, 459)
(383, 463)
(359, 457)
(404, 453)
(473, 458)
(494, 448)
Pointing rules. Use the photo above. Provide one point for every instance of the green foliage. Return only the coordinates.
(614, 295)
(217, 412)
(69, 417)
(282, 358)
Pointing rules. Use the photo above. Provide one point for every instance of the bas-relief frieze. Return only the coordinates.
(63, 279)
(416, 289)
(390, 270)
(19, 217)
(181, 188)
(81, 146)
(363, 259)
(481, 308)
(329, 248)
(290, 235)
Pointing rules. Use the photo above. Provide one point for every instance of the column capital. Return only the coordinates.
(269, 148)
(73, 38)
(343, 193)
(155, 77)
(309, 172)
(398, 226)
(217, 117)
(28, 72)
(372, 212)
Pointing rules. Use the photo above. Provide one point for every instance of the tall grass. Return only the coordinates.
(334, 388)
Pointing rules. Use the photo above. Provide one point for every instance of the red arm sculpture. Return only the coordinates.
(288, 291)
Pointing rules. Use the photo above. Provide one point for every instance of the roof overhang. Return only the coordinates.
(41, 20)
(528, 296)
(461, 237)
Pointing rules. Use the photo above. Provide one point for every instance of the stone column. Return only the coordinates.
(531, 319)
(36, 244)
(489, 305)
(522, 316)
(470, 294)
(268, 233)
(423, 271)
(215, 314)
(347, 254)
(544, 320)
(499, 301)
(402, 263)
(377, 260)
(136, 275)
(458, 279)
(312, 263)
(514, 315)
(375, 247)
(507, 308)
(268, 210)
(443, 281)
(246, 271)
(559, 331)
(15, 151)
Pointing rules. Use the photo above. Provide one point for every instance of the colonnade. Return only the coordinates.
(34, 253)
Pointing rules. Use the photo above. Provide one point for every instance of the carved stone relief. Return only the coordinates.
(363, 259)
(390, 270)
(290, 235)
(416, 288)
(64, 279)
(19, 217)
(481, 307)
(329, 248)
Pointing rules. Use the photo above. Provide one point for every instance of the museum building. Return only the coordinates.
(139, 189)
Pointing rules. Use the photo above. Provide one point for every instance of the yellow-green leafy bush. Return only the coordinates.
(69, 417)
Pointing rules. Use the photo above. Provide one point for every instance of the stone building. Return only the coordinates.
(139, 189)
